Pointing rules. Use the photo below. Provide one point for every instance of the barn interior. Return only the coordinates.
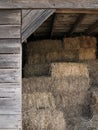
(60, 72)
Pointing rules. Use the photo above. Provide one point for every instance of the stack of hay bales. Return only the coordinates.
(51, 102)
(70, 87)
(39, 109)
(88, 47)
(82, 48)
(40, 55)
(46, 120)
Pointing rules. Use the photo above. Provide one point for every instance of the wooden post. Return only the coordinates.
(10, 70)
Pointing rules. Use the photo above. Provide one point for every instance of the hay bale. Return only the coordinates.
(38, 100)
(53, 57)
(71, 94)
(44, 46)
(71, 43)
(66, 55)
(35, 59)
(94, 99)
(36, 84)
(69, 69)
(70, 55)
(87, 54)
(46, 120)
(93, 72)
(83, 124)
(36, 70)
(88, 42)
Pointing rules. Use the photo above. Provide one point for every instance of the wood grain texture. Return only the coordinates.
(78, 21)
(36, 19)
(30, 17)
(10, 99)
(11, 129)
(10, 70)
(9, 61)
(9, 91)
(9, 31)
(10, 46)
(10, 17)
(10, 121)
(82, 4)
(76, 11)
(25, 12)
(10, 75)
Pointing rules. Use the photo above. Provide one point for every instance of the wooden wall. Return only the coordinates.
(10, 70)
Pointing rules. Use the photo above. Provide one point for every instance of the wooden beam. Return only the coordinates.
(34, 21)
(92, 28)
(30, 17)
(25, 12)
(76, 11)
(39, 4)
(77, 23)
(53, 23)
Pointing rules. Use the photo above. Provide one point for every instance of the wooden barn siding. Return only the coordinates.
(10, 69)
(68, 4)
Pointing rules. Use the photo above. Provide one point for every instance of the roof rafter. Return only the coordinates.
(52, 27)
(77, 23)
(92, 28)
(76, 11)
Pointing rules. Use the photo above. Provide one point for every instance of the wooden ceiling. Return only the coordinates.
(68, 23)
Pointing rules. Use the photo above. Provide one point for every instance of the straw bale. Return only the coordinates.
(36, 70)
(35, 59)
(93, 72)
(70, 55)
(36, 84)
(88, 42)
(87, 54)
(71, 43)
(69, 69)
(38, 100)
(53, 57)
(94, 99)
(83, 124)
(44, 46)
(71, 93)
(46, 120)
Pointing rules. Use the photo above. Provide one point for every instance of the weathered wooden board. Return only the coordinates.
(10, 90)
(9, 31)
(5, 107)
(10, 46)
(10, 129)
(9, 61)
(36, 19)
(76, 11)
(31, 17)
(25, 12)
(9, 121)
(85, 4)
(8, 17)
(10, 106)
(10, 75)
